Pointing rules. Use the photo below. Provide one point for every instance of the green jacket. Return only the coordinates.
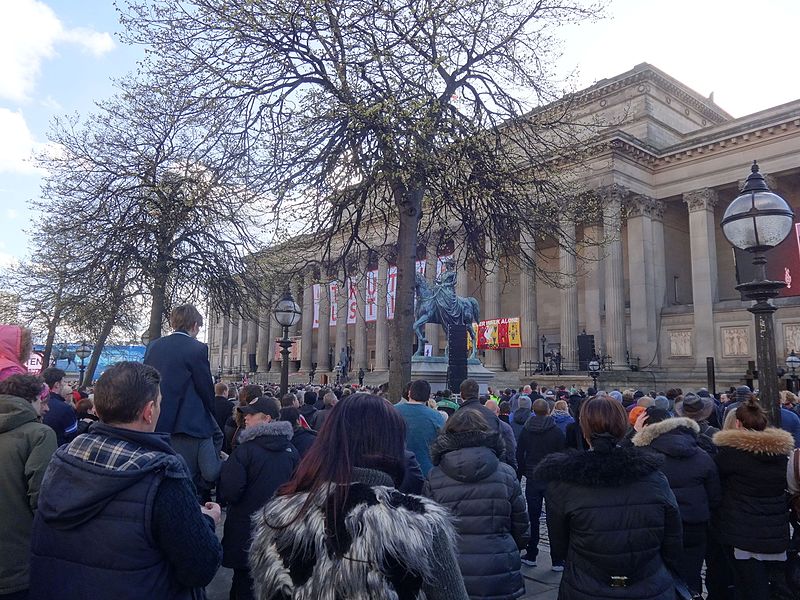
(26, 446)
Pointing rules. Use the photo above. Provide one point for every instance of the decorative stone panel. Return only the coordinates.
(791, 338)
(735, 341)
(680, 343)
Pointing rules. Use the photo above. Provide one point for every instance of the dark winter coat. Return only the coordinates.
(752, 467)
(517, 421)
(223, 409)
(307, 411)
(562, 419)
(26, 446)
(319, 418)
(691, 472)
(611, 512)
(260, 464)
(508, 455)
(302, 439)
(539, 437)
(104, 526)
(492, 520)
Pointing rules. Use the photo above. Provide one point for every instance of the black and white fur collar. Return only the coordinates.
(273, 428)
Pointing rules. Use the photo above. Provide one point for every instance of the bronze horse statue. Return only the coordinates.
(441, 305)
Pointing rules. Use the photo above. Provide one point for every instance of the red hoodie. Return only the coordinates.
(10, 339)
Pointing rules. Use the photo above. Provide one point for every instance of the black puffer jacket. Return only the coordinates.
(263, 461)
(540, 437)
(752, 467)
(691, 472)
(611, 513)
(492, 520)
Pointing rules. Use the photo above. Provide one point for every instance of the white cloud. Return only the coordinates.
(17, 143)
(29, 34)
(12, 213)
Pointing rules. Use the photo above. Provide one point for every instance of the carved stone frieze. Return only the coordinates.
(680, 343)
(735, 341)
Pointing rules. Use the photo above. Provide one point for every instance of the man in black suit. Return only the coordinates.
(223, 406)
(187, 391)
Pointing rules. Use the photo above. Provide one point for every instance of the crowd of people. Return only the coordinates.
(339, 492)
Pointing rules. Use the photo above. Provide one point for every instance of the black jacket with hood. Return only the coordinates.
(517, 421)
(540, 436)
(263, 461)
(116, 496)
(691, 472)
(491, 517)
(752, 465)
(611, 512)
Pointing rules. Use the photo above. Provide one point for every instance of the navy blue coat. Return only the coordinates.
(187, 388)
(691, 472)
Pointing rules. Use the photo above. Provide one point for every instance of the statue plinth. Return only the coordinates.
(433, 369)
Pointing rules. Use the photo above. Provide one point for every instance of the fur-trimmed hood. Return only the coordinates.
(646, 436)
(599, 469)
(278, 429)
(771, 441)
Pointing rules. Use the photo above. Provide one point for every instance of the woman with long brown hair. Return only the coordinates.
(341, 529)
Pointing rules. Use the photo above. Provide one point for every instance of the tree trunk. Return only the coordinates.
(99, 344)
(157, 308)
(401, 334)
(53, 324)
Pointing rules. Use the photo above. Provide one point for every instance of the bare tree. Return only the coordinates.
(163, 199)
(384, 121)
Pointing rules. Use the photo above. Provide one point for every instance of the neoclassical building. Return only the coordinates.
(658, 296)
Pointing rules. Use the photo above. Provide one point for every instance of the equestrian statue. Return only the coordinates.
(440, 305)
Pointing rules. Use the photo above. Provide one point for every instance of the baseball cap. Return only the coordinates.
(262, 404)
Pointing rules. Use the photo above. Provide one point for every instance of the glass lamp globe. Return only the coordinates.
(793, 361)
(757, 219)
(594, 366)
(83, 351)
(287, 312)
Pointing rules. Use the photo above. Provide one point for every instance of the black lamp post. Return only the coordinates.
(594, 371)
(287, 314)
(83, 352)
(793, 362)
(756, 221)
(543, 339)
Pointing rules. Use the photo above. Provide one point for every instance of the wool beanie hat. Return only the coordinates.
(634, 414)
(742, 393)
(662, 402)
(616, 395)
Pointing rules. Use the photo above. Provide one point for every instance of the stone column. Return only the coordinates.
(341, 318)
(381, 323)
(307, 324)
(659, 258)
(252, 342)
(231, 335)
(462, 274)
(593, 284)
(324, 331)
(432, 330)
(527, 304)
(703, 250)
(641, 276)
(568, 267)
(240, 331)
(360, 360)
(222, 324)
(264, 347)
(614, 279)
(491, 303)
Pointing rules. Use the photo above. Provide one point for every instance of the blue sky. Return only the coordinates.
(57, 56)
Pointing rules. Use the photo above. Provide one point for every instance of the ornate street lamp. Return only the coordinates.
(756, 221)
(83, 352)
(793, 362)
(594, 371)
(287, 314)
(146, 338)
(543, 339)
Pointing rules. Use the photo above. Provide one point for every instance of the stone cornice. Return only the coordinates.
(642, 75)
(625, 145)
